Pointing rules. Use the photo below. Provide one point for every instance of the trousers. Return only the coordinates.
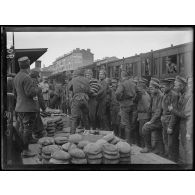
(127, 121)
(92, 112)
(27, 124)
(171, 141)
(79, 107)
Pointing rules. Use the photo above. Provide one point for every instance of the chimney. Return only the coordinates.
(38, 64)
(171, 45)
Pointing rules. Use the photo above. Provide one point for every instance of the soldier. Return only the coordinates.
(114, 109)
(155, 123)
(183, 112)
(102, 98)
(94, 88)
(171, 142)
(26, 106)
(143, 107)
(79, 106)
(45, 89)
(39, 129)
(125, 94)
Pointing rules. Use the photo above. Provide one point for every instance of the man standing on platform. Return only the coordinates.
(183, 112)
(143, 107)
(102, 98)
(26, 103)
(155, 123)
(126, 94)
(79, 106)
(171, 141)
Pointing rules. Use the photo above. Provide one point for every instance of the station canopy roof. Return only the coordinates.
(33, 54)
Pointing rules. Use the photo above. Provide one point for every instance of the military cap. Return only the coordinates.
(181, 80)
(77, 72)
(154, 84)
(143, 80)
(24, 62)
(167, 81)
(103, 71)
(34, 74)
(88, 71)
(155, 80)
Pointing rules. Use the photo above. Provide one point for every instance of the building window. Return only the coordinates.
(169, 65)
(135, 71)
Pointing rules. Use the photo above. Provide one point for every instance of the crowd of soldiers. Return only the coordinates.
(155, 115)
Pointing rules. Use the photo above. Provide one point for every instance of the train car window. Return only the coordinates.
(117, 72)
(155, 67)
(146, 67)
(170, 65)
(129, 68)
(135, 69)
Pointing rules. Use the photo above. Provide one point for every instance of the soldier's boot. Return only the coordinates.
(147, 142)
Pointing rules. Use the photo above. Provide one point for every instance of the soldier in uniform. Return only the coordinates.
(26, 106)
(79, 106)
(143, 107)
(39, 129)
(183, 112)
(94, 88)
(114, 109)
(102, 98)
(125, 94)
(154, 124)
(171, 142)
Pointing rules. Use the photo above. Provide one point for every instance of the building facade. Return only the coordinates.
(71, 61)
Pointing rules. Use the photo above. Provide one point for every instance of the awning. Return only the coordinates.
(33, 55)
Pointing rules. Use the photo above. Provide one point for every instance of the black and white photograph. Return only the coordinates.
(97, 97)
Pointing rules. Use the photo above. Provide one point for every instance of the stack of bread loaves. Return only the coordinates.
(110, 154)
(94, 153)
(77, 156)
(60, 157)
(125, 152)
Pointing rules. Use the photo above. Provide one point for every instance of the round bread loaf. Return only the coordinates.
(78, 161)
(107, 161)
(125, 155)
(68, 146)
(54, 161)
(126, 159)
(46, 141)
(61, 140)
(48, 150)
(109, 137)
(44, 156)
(75, 138)
(61, 155)
(94, 161)
(96, 156)
(92, 148)
(115, 140)
(123, 147)
(109, 149)
(82, 144)
(101, 142)
(111, 157)
(77, 153)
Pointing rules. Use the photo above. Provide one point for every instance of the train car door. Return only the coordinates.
(146, 64)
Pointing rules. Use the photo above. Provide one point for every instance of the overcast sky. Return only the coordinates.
(102, 44)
